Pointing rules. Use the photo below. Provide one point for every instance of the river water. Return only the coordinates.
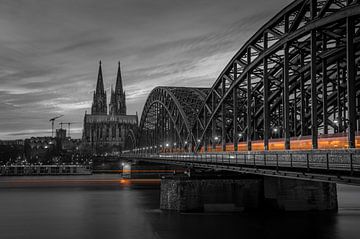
(104, 206)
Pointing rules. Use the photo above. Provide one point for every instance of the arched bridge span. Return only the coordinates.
(297, 78)
(168, 117)
(293, 85)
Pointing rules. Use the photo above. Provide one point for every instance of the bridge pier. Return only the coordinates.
(186, 194)
(299, 195)
(263, 193)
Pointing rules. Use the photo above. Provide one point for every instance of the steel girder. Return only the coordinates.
(168, 117)
(297, 76)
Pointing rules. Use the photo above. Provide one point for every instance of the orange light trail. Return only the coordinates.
(334, 141)
(141, 171)
(55, 182)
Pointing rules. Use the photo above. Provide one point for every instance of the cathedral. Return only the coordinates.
(106, 132)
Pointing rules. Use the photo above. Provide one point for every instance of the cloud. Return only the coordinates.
(17, 134)
(65, 104)
(83, 43)
(49, 51)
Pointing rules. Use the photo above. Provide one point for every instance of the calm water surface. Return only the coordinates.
(103, 206)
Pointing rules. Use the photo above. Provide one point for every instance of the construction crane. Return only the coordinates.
(52, 124)
(68, 123)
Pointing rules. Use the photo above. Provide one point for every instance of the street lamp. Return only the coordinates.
(275, 131)
(240, 136)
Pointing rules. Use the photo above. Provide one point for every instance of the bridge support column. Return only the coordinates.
(299, 195)
(267, 193)
(186, 194)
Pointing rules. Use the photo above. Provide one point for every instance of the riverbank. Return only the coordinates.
(41, 170)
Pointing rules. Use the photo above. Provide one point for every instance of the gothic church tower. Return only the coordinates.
(117, 102)
(99, 106)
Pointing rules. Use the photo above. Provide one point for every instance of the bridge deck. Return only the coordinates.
(342, 166)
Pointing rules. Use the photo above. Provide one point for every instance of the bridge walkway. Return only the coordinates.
(340, 166)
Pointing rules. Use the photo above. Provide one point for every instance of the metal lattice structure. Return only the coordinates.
(296, 78)
(168, 117)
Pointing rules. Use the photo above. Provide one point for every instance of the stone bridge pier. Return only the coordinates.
(246, 194)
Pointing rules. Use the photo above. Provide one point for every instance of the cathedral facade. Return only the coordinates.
(105, 132)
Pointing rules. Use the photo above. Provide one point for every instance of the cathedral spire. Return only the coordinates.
(99, 106)
(119, 86)
(100, 82)
(118, 101)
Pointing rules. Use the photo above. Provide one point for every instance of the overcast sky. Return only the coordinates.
(49, 52)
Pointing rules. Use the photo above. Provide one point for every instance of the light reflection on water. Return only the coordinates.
(89, 209)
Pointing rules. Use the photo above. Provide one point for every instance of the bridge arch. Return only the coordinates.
(295, 78)
(168, 117)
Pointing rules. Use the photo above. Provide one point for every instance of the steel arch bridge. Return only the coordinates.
(293, 85)
(168, 117)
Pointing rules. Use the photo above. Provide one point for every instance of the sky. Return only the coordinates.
(50, 49)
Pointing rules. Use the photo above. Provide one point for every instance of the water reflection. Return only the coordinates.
(110, 210)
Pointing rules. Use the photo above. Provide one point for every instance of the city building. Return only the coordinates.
(40, 149)
(67, 144)
(105, 132)
(11, 151)
(61, 134)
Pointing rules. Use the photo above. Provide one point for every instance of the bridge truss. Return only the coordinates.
(168, 117)
(296, 78)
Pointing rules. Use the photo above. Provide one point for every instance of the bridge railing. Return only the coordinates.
(334, 161)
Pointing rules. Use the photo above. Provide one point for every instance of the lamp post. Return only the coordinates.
(275, 131)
